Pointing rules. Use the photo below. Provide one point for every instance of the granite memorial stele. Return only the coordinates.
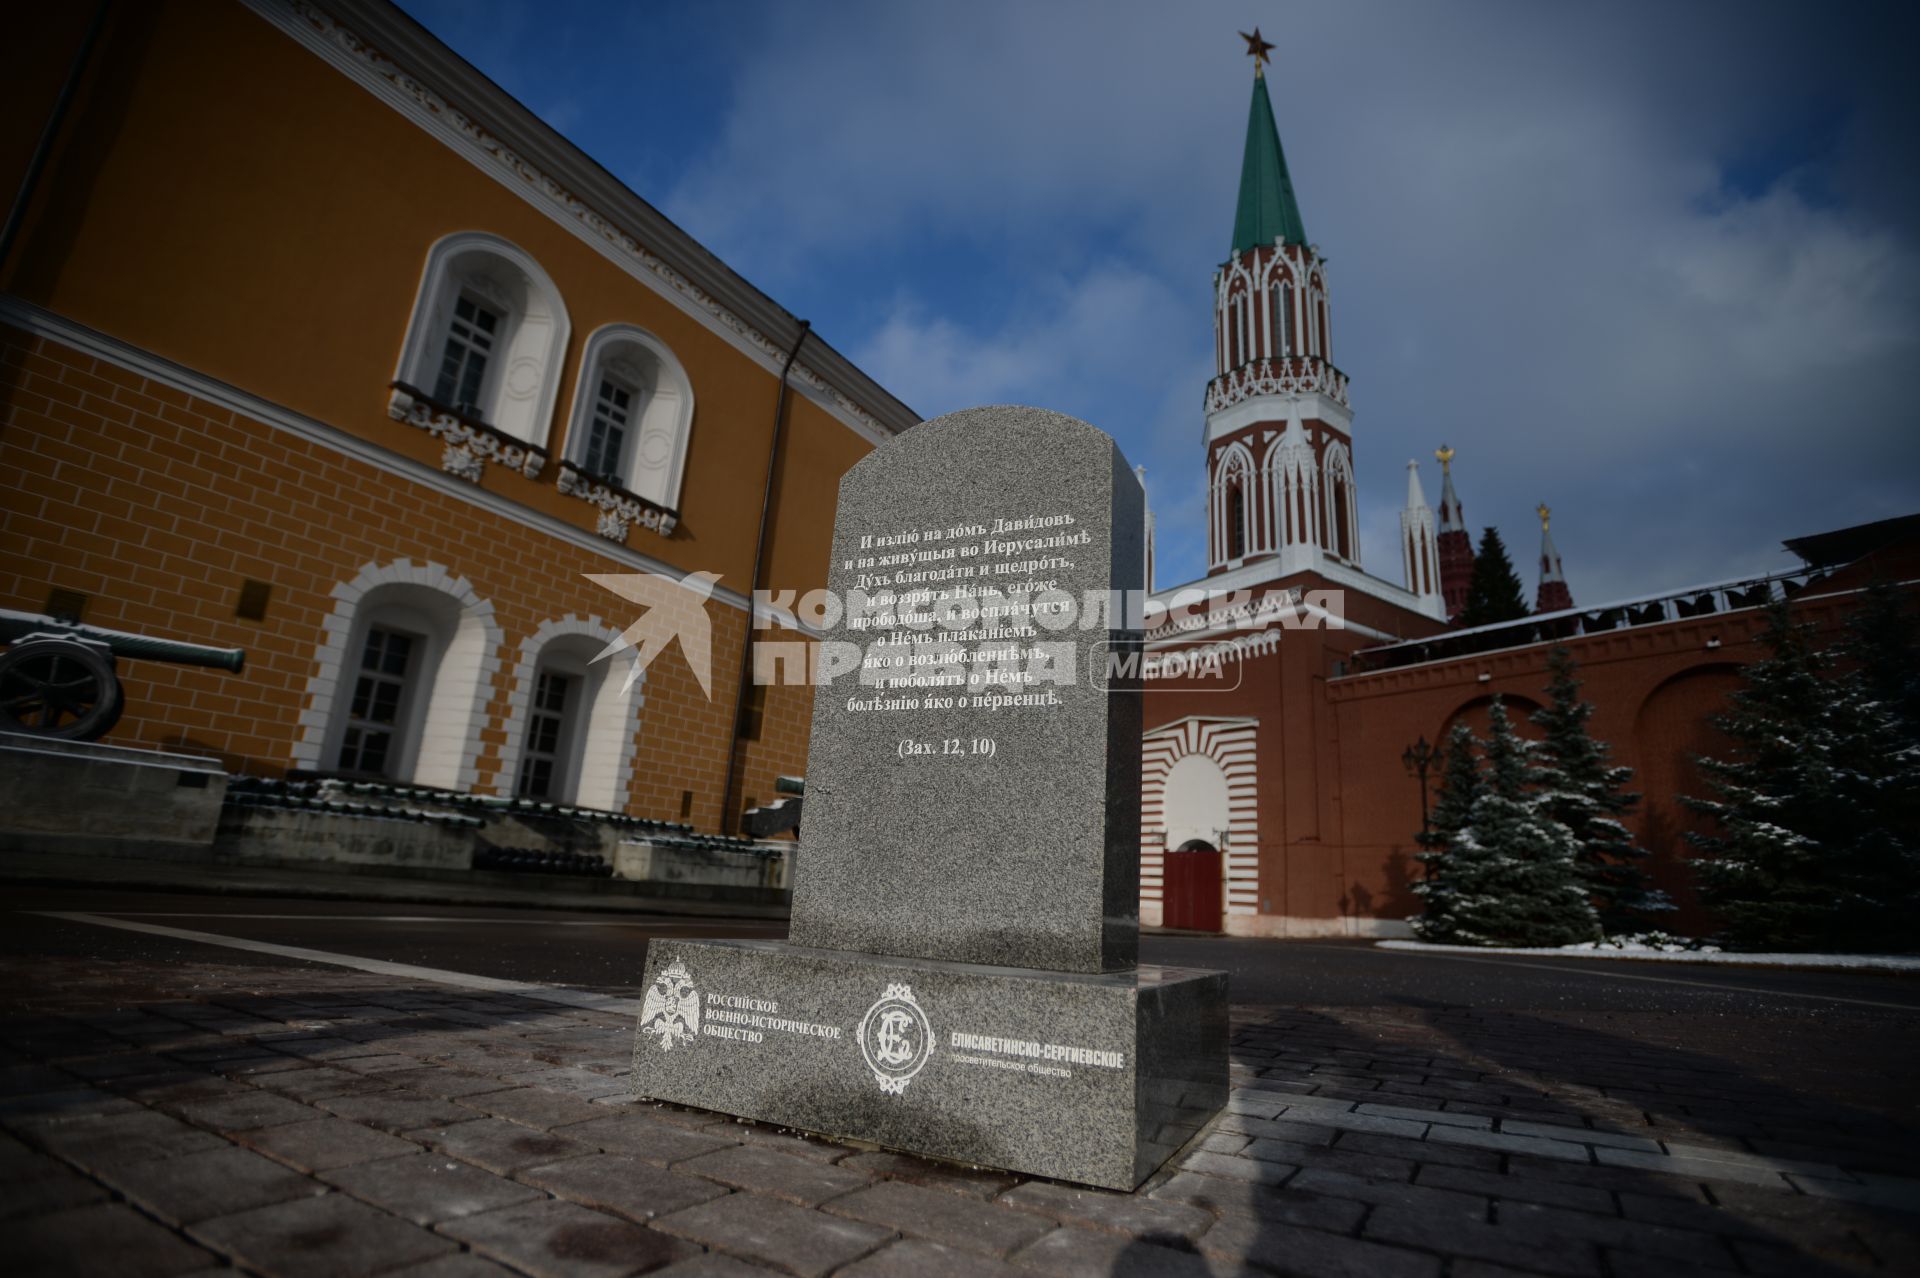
(961, 975)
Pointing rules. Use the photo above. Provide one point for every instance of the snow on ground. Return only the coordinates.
(1674, 954)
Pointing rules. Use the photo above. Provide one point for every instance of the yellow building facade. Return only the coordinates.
(315, 343)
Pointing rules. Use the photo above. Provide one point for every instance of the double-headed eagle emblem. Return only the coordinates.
(671, 1011)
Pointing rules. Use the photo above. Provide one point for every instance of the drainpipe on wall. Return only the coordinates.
(44, 148)
(729, 822)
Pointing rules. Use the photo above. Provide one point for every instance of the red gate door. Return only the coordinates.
(1191, 895)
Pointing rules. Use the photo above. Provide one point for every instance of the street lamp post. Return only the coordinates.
(1418, 758)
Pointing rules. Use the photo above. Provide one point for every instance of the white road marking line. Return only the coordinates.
(1658, 980)
(696, 924)
(378, 967)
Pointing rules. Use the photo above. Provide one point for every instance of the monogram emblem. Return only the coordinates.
(896, 1039)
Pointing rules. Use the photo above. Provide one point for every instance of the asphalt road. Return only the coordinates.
(1830, 1032)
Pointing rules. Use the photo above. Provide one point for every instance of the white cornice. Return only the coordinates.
(1278, 410)
(393, 58)
(43, 323)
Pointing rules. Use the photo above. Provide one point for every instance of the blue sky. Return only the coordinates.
(1653, 264)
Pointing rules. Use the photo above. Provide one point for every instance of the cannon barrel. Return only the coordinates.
(15, 626)
(790, 785)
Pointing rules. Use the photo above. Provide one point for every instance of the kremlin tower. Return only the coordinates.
(1553, 595)
(1419, 552)
(1279, 455)
(1456, 544)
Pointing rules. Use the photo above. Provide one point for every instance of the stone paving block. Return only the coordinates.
(1446, 1117)
(535, 1107)
(107, 1238)
(1585, 1135)
(1896, 1192)
(1339, 1158)
(178, 1084)
(622, 1184)
(1699, 1168)
(242, 1109)
(647, 1136)
(1277, 1129)
(1457, 1237)
(767, 1171)
(1287, 1206)
(552, 1239)
(1224, 1143)
(819, 1150)
(78, 1102)
(776, 1234)
(215, 1182)
(1548, 1224)
(1354, 1122)
(32, 1184)
(123, 1137)
(397, 1111)
(1079, 1253)
(500, 1146)
(314, 1083)
(1242, 1241)
(913, 1258)
(319, 1238)
(323, 1047)
(711, 1265)
(1369, 1189)
(442, 1081)
(1566, 1151)
(1099, 1209)
(943, 1218)
(428, 1188)
(1233, 1167)
(375, 1066)
(459, 1264)
(1417, 1151)
(579, 1082)
(1516, 1188)
(970, 1181)
(676, 1116)
(1597, 1176)
(325, 1143)
(16, 1080)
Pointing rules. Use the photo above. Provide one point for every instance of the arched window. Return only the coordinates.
(632, 414)
(1231, 508)
(1283, 320)
(571, 734)
(404, 673)
(487, 336)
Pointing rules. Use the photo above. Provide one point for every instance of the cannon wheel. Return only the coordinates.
(58, 688)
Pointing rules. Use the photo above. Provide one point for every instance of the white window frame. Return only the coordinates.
(660, 424)
(522, 381)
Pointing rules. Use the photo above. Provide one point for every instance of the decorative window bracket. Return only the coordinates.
(619, 508)
(470, 445)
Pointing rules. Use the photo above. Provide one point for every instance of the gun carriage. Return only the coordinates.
(59, 678)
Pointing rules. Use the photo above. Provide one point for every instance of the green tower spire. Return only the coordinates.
(1267, 211)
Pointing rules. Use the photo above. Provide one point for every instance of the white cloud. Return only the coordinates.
(1537, 252)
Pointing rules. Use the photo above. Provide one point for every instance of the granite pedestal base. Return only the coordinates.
(1090, 1078)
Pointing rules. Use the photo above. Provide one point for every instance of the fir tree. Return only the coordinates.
(1494, 593)
(1508, 874)
(1581, 790)
(1816, 814)
(1460, 785)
